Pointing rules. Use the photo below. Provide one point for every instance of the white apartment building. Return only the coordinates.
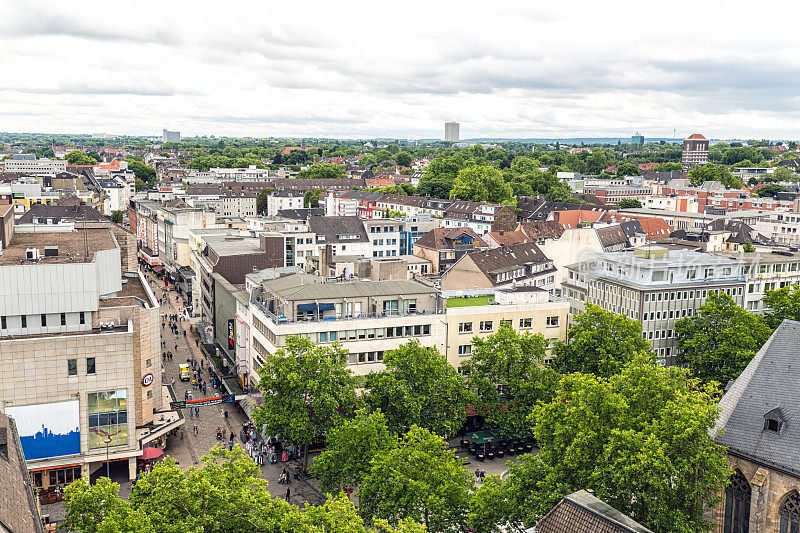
(251, 173)
(367, 318)
(39, 167)
(239, 204)
(384, 236)
(285, 199)
(781, 227)
(683, 204)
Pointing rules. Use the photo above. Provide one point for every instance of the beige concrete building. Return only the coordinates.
(368, 318)
(80, 364)
(527, 309)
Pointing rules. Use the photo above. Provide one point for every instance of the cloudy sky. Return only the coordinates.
(400, 69)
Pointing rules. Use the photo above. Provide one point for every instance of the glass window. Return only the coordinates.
(409, 331)
(44, 320)
(486, 325)
(465, 327)
(108, 418)
(426, 329)
(90, 365)
(465, 349)
(362, 334)
(552, 320)
(525, 322)
(63, 319)
(390, 307)
(417, 331)
(72, 367)
(332, 336)
(323, 336)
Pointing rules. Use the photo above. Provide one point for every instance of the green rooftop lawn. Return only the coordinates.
(467, 302)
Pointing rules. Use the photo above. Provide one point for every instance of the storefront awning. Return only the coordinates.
(306, 308)
(326, 307)
(158, 268)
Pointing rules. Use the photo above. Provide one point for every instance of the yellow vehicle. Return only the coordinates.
(185, 373)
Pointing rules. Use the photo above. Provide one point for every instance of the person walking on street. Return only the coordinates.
(288, 494)
(195, 430)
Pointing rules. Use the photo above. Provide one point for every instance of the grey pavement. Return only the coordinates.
(189, 450)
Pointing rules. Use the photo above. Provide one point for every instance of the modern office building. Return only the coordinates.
(695, 151)
(526, 309)
(171, 136)
(80, 354)
(637, 139)
(49, 167)
(654, 285)
(368, 318)
(451, 133)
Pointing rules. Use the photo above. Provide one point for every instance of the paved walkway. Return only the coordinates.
(191, 448)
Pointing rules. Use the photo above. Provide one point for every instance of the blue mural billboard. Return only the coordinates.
(48, 429)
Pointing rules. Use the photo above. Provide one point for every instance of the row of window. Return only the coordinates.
(524, 323)
(666, 315)
(380, 253)
(386, 229)
(355, 358)
(42, 318)
(72, 366)
(350, 335)
(380, 242)
(658, 334)
(769, 286)
(688, 295)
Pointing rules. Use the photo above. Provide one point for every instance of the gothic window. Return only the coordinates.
(790, 514)
(737, 505)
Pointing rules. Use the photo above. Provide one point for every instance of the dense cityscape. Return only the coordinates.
(403, 335)
(399, 268)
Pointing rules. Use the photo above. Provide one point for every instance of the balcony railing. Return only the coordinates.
(331, 316)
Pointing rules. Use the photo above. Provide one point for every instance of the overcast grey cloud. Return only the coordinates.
(365, 69)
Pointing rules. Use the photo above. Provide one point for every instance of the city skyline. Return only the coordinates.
(552, 75)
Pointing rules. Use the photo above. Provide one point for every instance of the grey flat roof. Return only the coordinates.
(310, 287)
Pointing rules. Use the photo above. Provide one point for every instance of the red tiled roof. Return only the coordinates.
(572, 218)
(379, 182)
(654, 227)
(696, 136)
(508, 238)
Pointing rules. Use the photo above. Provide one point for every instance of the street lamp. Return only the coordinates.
(107, 440)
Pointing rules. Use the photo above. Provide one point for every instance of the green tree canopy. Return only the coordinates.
(721, 173)
(630, 203)
(226, 495)
(600, 342)
(769, 190)
(784, 174)
(506, 373)
(116, 217)
(720, 339)
(323, 171)
(77, 157)
(311, 198)
(307, 390)
(668, 167)
(404, 159)
(783, 303)
(418, 387)
(419, 479)
(628, 169)
(482, 184)
(349, 449)
(141, 171)
(639, 439)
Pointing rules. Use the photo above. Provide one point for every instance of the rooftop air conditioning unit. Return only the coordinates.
(32, 254)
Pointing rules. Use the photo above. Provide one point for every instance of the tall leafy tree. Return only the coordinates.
(323, 171)
(507, 375)
(721, 173)
(482, 184)
(600, 342)
(404, 159)
(418, 387)
(349, 449)
(226, 495)
(720, 339)
(419, 479)
(639, 439)
(261, 200)
(783, 303)
(307, 389)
